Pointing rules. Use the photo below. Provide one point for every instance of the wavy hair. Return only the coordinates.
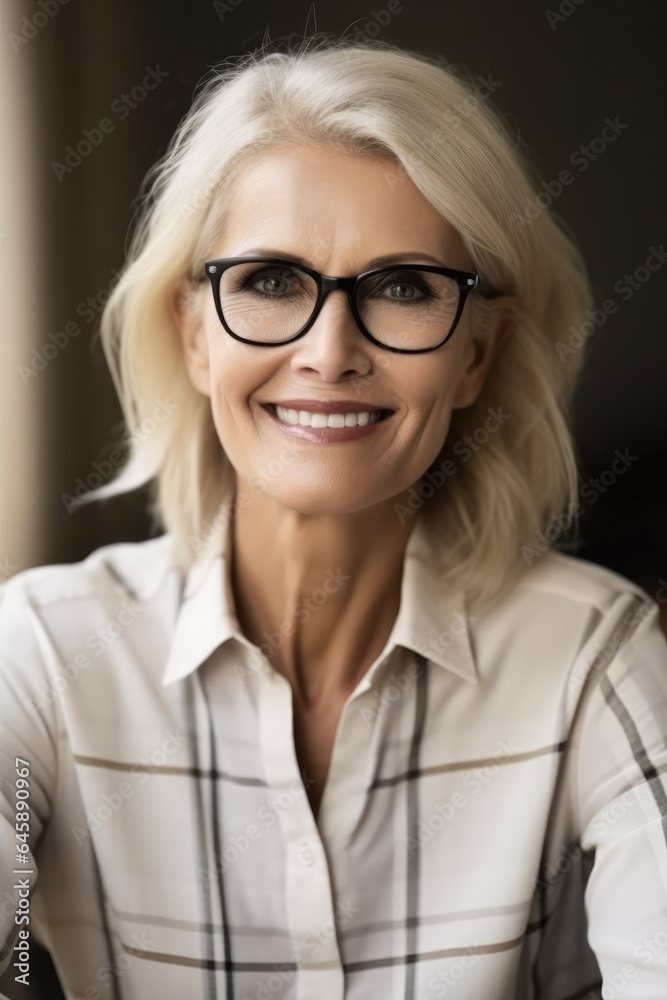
(364, 96)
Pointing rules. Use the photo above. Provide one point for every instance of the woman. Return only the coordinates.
(350, 727)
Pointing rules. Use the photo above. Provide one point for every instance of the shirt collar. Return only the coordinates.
(207, 615)
(430, 621)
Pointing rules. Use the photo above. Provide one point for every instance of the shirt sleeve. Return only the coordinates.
(27, 763)
(622, 804)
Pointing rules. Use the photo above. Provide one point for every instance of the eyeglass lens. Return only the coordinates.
(270, 303)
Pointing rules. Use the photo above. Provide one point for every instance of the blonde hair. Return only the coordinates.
(363, 97)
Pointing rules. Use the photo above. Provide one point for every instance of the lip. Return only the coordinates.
(327, 435)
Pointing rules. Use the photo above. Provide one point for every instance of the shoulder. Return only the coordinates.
(570, 600)
(567, 582)
(113, 607)
(563, 615)
(138, 568)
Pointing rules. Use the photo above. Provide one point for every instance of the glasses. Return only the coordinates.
(407, 308)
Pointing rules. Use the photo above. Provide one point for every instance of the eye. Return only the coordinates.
(404, 290)
(401, 287)
(273, 282)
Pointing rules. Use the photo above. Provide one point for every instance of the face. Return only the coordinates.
(339, 212)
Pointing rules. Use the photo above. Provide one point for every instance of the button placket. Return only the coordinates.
(308, 893)
(305, 854)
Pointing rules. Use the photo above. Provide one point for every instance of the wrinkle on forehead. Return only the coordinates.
(335, 208)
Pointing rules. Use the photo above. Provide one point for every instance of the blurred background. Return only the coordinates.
(559, 73)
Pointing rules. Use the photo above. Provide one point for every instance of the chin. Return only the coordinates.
(316, 500)
(319, 500)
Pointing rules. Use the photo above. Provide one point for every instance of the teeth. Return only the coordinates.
(307, 419)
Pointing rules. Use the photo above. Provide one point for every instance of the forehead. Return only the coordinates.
(334, 205)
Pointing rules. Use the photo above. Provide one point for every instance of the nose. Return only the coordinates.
(334, 347)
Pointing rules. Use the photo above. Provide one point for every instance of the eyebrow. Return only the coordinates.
(415, 256)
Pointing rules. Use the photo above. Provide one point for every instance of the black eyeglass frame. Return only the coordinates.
(466, 281)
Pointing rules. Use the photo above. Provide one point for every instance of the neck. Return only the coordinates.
(321, 590)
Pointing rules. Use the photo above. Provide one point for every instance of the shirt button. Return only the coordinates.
(306, 855)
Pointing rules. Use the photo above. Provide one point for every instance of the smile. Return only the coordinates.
(327, 423)
(306, 418)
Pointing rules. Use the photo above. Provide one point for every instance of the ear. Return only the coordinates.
(186, 309)
(481, 349)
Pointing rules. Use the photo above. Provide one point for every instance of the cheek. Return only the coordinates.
(234, 370)
(429, 391)
(236, 374)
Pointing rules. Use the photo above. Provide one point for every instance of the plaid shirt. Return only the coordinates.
(493, 823)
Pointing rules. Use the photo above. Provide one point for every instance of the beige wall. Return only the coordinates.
(21, 405)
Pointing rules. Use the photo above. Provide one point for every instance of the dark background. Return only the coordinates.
(560, 74)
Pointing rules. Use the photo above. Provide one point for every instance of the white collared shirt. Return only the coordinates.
(493, 822)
